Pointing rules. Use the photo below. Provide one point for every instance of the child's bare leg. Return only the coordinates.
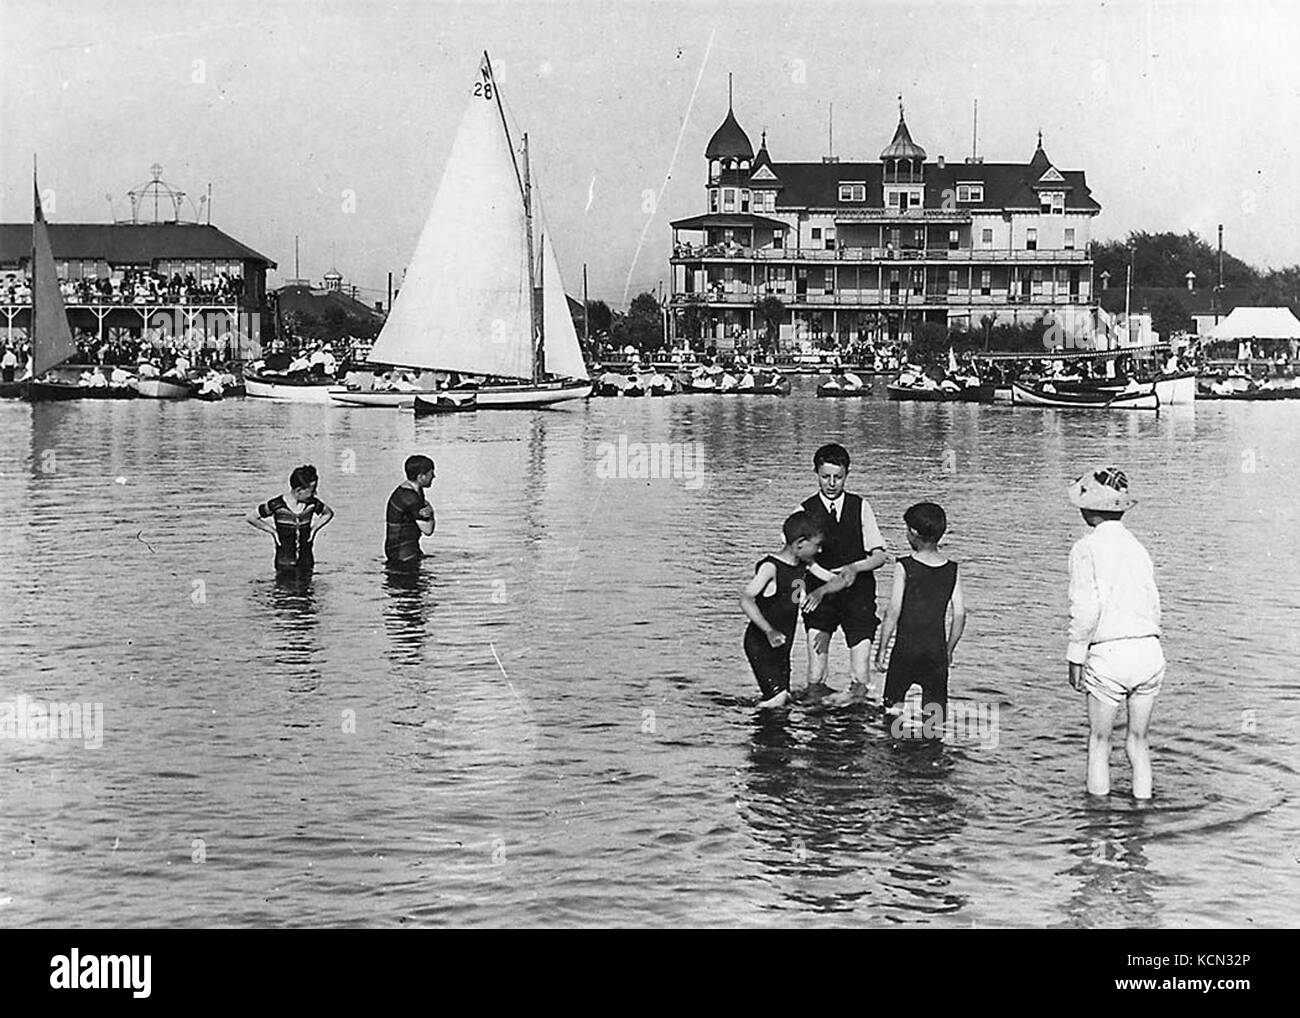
(1101, 719)
(819, 645)
(1139, 752)
(860, 675)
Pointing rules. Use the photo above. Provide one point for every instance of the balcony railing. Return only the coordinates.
(869, 298)
(686, 252)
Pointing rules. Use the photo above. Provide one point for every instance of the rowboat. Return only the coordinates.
(483, 293)
(348, 396)
(847, 384)
(1142, 399)
(162, 388)
(445, 403)
(762, 383)
(940, 394)
(297, 388)
(38, 391)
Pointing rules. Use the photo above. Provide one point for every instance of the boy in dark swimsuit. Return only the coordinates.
(409, 515)
(925, 582)
(294, 520)
(773, 599)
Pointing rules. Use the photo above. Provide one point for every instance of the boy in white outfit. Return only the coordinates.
(1114, 651)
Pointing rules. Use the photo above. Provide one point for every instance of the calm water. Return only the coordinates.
(554, 723)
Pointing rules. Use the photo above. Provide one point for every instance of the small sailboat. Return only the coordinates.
(483, 294)
(51, 337)
(1046, 394)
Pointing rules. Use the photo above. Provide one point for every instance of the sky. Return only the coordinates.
(331, 120)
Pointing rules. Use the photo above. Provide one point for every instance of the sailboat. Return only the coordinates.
(483, 294)
(51, 338)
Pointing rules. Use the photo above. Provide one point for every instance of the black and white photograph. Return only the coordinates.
(650, 465)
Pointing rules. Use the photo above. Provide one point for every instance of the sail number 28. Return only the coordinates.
(483, 88)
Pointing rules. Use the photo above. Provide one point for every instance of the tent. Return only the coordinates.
(1256, 323)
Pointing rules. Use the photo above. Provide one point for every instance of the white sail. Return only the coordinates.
(464, 304)
(563, 354)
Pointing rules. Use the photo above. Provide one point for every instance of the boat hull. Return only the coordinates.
(524, 395)
(445, 403)
(1176, 389)
(159, 388)
(1141, 400)
(261, 387)
(375, 398)
(40, 392)
(969, 394)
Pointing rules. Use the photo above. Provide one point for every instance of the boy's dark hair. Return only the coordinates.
(303, 477)
(831, 453)
(417, 465)
(1104, 514)
(800, 525)
(927, 519)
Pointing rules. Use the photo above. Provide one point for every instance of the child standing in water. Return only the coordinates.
(773, 599)
(1114, 651)
(294, 519)
(925, 583)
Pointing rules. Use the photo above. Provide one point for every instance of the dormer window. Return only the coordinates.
(853, 191)
(1051, 202)
(970, 192)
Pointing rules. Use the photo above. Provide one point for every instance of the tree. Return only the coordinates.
(599, 317)
(641, 327)
(1169, 316)
(691, 319)
(929, 347)
(771, 312)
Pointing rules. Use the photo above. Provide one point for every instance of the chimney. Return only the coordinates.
(941, 162)
(1191, 280)
(1105, 279)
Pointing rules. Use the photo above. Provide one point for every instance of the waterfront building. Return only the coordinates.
(867, 251)
(162, 280)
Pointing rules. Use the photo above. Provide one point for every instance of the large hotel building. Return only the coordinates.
(867, 251)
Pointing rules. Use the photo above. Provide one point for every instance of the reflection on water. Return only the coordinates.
(551, 720)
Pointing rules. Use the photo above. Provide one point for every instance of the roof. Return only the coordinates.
(304, 299)
(1006, 185)
(1039, 164)
(128, 243)
(1258, 323)
(725, 219)
(902, 147)
(729, 141)
(762, 157)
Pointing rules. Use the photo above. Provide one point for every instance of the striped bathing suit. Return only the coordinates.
(293, 551)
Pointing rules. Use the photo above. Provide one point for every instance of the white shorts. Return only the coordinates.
(1118, 669)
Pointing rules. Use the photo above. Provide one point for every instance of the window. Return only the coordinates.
(1038, 282)
(893, 198)
(952, 281)
(713, 200)
(744, 201)
(830, 282)
(1031, 239)
(986, 282)
(816, 233)
(954, 240)
(715, 169)
(853, 192)
(1051, 202)
(918, 282)
(830, 240)
(778, 240)
(970, 192)
(729, 199)
(1069, 240)
(986, 238)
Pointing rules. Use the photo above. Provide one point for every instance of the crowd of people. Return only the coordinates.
(132, 286)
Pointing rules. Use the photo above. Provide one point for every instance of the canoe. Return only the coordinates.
(1141, 400)
(162, 388)
(13, 390)
(376, 397)
(299, 388)
(770, 386)
(445, 403)
(832, 390)
(43, 391)
(967, 394)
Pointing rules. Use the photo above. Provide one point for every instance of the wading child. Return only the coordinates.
(294, 519)
(1114, 651)
(853, 548)
(409, 515)
(925, 583)
(773, 599)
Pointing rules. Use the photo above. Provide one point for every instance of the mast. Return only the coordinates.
(586, 311)
(36, 214)
(535, 295)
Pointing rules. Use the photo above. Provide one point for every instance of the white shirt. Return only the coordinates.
(1113, 592)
